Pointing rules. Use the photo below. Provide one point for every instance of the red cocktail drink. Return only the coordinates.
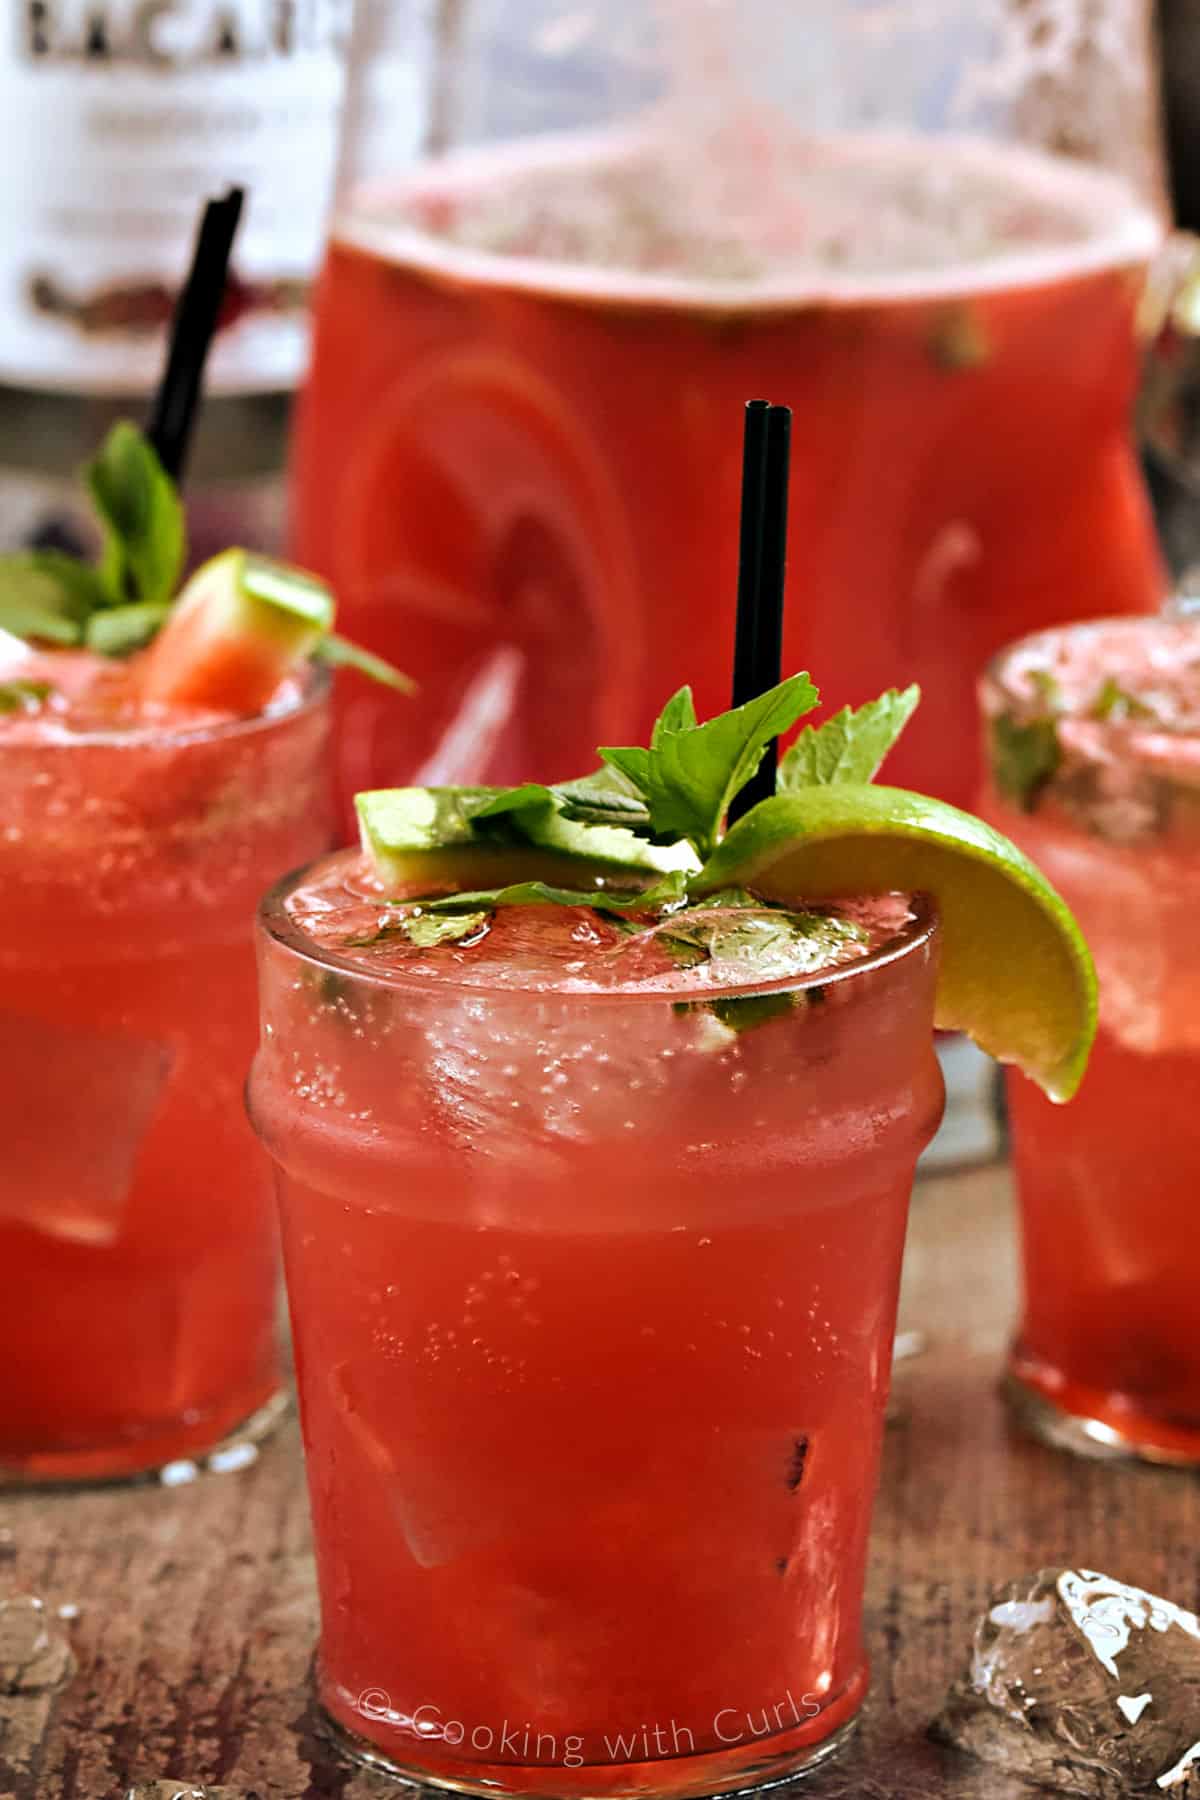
(518, 460)
(592, 1265)
(137, 1243)
(1094, 735)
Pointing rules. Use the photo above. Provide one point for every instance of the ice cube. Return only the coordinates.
(77, 1105)
(444, 1518)
(33, 1656)
(1149, 995)
(1080, 1682)
(441, 1515)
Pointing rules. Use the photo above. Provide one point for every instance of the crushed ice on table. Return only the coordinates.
(72, 1144)
(1079, 1682)
(33, 1655)
(187, 1790)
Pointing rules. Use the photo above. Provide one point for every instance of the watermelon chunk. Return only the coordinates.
(422, 839)
(242, 623)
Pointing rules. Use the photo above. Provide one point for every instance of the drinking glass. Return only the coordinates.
(1094, 769)
(593, 1300)
(138, 1246)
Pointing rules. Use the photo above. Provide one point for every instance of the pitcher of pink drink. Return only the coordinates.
(570, 241)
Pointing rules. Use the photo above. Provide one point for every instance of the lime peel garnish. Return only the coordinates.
(1015, 973)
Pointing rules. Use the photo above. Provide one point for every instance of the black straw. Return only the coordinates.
(762, 567)
(754, 488)
(197, 310)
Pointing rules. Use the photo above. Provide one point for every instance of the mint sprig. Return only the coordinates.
(119, 603)
(115, 604)
(690, 772)
(674, 792)
(850, 746)
(141, 519)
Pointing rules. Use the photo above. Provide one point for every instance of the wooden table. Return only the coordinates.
(197, 1614)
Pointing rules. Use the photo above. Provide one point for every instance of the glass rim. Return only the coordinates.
(1116, 734)
(274, 924)
(357, 206)
(314, 692)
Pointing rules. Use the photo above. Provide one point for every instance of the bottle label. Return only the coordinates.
(121, 117)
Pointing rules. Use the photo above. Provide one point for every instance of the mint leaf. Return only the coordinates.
(520, 814)
(46, 594)
(1113, 702)
(420, 927)
(78, 588)
(25, 618)
(340, 653)
(23, 696)
(427, 931)
(850, 746)
(531, 795)
(679, 714)
(690, 772)
(671, 890)
(770, 942)
(751, 1010)
(141, 518)
(604, 798)
(1024, 757)
(730, 898)
(118, 630)
(1046, 687)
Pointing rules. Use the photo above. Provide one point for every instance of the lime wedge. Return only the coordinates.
(1016, 973)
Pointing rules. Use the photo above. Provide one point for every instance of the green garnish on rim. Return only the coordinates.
(644, 839)
(226, 639)
(23, 696)
(1026, 747)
